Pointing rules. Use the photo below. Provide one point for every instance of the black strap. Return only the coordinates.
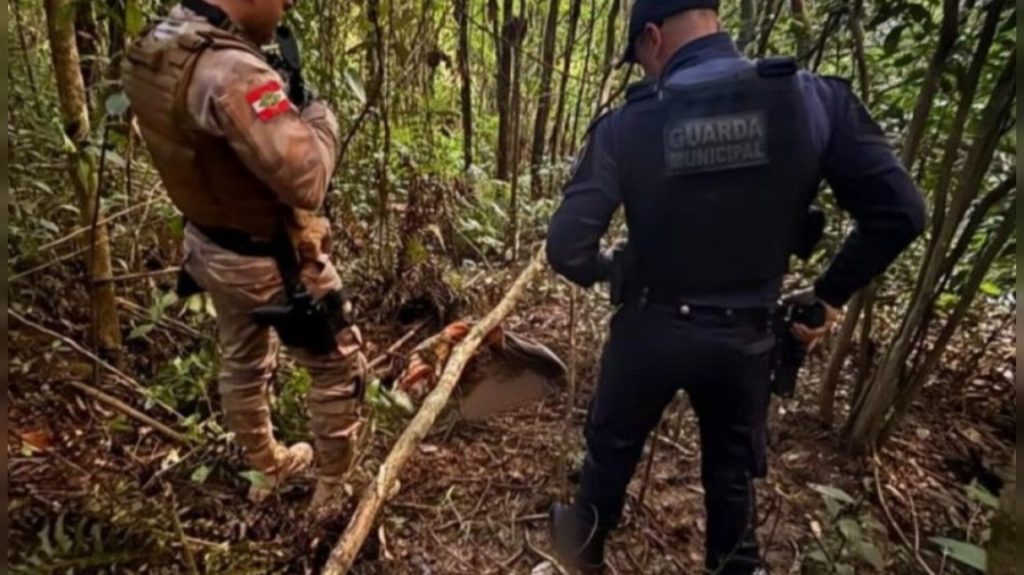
(213, 14)
(283, 253)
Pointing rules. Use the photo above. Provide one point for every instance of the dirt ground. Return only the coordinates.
(92, 491)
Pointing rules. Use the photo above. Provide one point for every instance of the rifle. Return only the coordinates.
(284, 56)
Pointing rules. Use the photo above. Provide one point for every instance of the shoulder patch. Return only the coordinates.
(268, 100)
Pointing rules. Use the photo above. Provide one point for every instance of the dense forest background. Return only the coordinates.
(460, 120)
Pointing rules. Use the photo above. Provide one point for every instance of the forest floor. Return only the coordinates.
(91, 488)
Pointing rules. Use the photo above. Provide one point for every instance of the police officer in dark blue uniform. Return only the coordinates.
(716, 160)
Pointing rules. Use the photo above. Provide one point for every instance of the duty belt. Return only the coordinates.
(680, 305)
(238, 242)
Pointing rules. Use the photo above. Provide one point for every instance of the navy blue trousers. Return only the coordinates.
(723, 365)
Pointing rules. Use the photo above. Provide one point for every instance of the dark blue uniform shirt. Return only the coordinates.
(857, 161)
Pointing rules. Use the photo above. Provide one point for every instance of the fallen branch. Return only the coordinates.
(118, 374)
(377, 361)
(375, 494)
(117, 404)
(913, 549)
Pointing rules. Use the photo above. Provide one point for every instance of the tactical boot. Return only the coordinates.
(578, 539)
(288, 462)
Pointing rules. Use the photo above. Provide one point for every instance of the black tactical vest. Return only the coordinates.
(716, 179)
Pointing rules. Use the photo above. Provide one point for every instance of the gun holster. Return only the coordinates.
(622, 264)
(789, 353)
(302, 321)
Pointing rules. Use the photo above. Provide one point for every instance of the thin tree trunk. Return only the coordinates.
(82, 166)
(830, 382)
(769, 17)
(977, 217)
(540, 122)
(466, 90)
(570, 45)
(930, 84)
(608, 64)
(865, 350)
(571, 141)
(518, 37)
(23, 41)
(802, 27)
(995, 246)
(956, 131)
(748, 24)
(504, 93)
(870, 415)
(859, 57)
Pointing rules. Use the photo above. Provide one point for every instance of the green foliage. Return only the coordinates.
(850, 538)
(966, 553)
(289, 403)
(78, 545)
(183, 380)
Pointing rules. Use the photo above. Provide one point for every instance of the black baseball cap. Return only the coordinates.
(656, 11)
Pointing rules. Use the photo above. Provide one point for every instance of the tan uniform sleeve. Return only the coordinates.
(293, 152)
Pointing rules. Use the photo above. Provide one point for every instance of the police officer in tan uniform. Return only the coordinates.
(243, 163)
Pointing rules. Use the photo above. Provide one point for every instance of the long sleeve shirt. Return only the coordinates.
(856, 160)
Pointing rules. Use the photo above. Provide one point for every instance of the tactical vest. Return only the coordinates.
(204, 177)
(716, 180)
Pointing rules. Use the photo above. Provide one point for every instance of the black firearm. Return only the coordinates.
(284, 57)
(789, 352)
(301, 321)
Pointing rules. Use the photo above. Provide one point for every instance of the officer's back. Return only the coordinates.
(716, 160)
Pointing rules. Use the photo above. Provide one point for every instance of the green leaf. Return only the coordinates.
(200, 474)
(850, 530)
(117, 104)
(134, 20)
(871, 555)
(833, 493)
(989, 288)
(982, 495)
(257, 479)
(966, 553)
(141, 331)
(356, 87)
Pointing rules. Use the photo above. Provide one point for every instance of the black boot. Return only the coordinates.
(578, 539)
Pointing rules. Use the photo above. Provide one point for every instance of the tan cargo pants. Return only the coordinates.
(237, 285)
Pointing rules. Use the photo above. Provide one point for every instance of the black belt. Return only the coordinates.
(679, 305)
(239, 242)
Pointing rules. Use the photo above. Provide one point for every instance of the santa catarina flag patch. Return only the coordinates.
(268, 100)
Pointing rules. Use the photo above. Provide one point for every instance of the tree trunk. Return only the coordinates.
(82, 167)
(956, 130)
(994, 247)
(504, 93)
(540, 122)
(769, 17)
(570, 46)
(23, 41)
(930, 84)
(518, 37)
(859, 57)
(608, 64)
(872, 413)
(830, 383)
(748, 24)
(581, 96)
(466, 90)
(802, 28)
